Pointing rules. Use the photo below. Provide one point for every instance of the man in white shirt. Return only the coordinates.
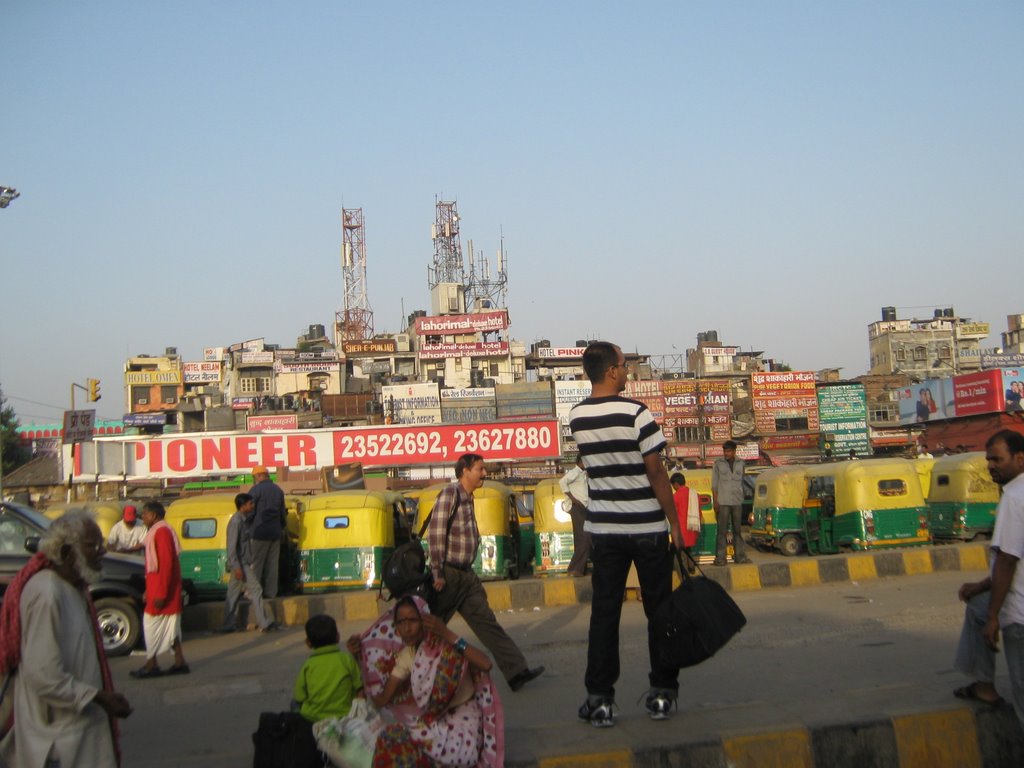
(996, 604)
(127, 535)
(574, 485)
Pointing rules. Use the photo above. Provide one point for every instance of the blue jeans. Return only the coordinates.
(612, 554)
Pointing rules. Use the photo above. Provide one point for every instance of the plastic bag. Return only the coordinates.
(349, 741)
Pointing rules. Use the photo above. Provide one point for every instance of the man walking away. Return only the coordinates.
(629, 518)
(65, 706)
(453, 549)
(267, 529)
(243, 577)
(996, 603)
(727, 487)
(574, 485)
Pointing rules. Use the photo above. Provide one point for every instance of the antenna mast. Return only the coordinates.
(355, 321)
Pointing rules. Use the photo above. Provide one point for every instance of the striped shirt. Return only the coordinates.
(459, 546)
(614, 435)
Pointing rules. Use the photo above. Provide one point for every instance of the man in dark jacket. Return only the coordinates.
(267, 527)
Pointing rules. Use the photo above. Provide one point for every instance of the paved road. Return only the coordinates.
(808, 656)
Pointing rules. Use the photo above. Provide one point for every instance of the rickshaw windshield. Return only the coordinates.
(199, 529)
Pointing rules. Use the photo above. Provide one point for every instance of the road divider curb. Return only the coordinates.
(552, 591)
(953, 738)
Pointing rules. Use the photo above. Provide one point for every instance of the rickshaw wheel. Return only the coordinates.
(790, 545)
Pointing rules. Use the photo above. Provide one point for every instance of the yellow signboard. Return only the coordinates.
(148, 378)
(973, 329)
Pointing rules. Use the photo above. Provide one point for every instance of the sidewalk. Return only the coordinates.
(883, 704)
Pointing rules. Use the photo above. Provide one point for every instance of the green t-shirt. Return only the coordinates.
(327, 683)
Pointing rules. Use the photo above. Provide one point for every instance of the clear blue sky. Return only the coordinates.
(775, 171)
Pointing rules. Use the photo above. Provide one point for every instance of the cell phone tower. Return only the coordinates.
(355, 321)
(484, 289)
(448, 266)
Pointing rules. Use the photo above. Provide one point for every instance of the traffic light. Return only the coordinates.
(93, 385)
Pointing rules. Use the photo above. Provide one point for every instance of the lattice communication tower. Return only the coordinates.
(355, 321)
(448, 266)
(485, 290)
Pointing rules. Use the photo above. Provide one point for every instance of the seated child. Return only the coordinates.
(329, 679)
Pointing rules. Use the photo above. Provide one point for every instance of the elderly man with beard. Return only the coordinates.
(161, 621)
(65, 706)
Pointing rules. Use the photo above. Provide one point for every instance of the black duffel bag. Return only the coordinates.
(695, 621)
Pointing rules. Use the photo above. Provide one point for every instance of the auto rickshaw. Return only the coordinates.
(963, 498)
(707, 542)
(345, 537)
(864, 504)
(552, 528)
(778, 498)
(498, 522)
(923, 466)
(201, 523)
(105, 513)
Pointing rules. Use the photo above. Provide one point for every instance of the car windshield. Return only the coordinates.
(33, 516)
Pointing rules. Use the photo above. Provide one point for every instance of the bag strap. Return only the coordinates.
(683, 572)
(451, 519)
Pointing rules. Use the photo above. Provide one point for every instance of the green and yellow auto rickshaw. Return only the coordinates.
(963, 498)
(201, 523)
(704, 552)
(345, 537)
(498, 521)
(104, 513)
(864, 504)
(778, 498)
(923, 466)
(552, 528)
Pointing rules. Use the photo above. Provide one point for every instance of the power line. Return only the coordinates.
(34, 402)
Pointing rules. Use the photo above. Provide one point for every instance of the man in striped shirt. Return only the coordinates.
(453, 538)
(629, 518)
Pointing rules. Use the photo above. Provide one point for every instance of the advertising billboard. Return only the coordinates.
(843, 417)
(468, 405)
(976, 393)
(411, 403)
(785, 400)
(1013, 389)
(926, 401)
(453, 325)
(207, 372)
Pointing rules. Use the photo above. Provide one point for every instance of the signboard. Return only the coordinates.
(369, 347)
(150, 378)
(1013, 390)
(201, 373)
(843, 415)
(375, 366)
(563, 352)
(524, 400)
(78, 426)
(243, 403)
(926, 401)
(463, 349)
(789, 443)
(322, 367)
(383, 446)
(145, 419)
(213, 354)
(979, 330)
(452, 325)
(976, 393)
(470, 405)
(1002, 360)
(269, 423)
(257, 358)
(567, 394)
(784, 395)
(411, 403)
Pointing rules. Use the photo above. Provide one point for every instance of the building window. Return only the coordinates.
(168, 395)
(920, 353)
(901, 354)
(140, 395)
(786, 425)
(254, 384)
(693, 434)
(884, 412)
(945, 352)
(494, 369)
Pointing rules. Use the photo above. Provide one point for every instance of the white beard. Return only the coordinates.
(87, 573)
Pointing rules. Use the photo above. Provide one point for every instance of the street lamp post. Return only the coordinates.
(7, 194)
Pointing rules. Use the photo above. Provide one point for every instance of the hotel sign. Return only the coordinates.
(478, 349)
(451, 325)
(369, 348)
(150, 378)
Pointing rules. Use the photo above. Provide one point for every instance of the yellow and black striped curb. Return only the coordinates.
(956, 738)
(553, 591)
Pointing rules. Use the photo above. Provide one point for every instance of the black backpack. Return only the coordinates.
(285, 740)
(406, 571)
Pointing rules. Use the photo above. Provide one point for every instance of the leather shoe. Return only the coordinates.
(145, 672)
(524, 677)
(271, 627)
